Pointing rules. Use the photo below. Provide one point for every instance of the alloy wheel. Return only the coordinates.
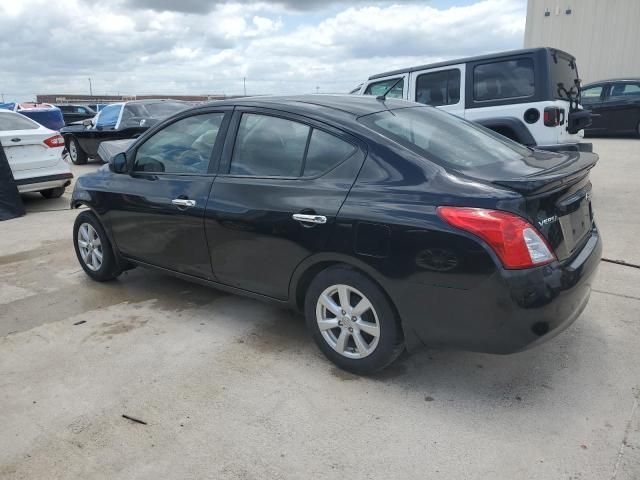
(73, 152)
(347, 321)
(90, 247)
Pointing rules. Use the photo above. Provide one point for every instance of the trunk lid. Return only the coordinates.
(25, 149)
(557, 198)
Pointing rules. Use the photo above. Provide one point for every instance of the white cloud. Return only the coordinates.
(141, 50)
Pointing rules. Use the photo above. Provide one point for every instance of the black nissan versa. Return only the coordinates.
(390, 224)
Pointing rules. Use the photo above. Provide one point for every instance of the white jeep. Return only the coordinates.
(531, 96)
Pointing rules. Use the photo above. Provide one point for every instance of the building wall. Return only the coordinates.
(603, 35)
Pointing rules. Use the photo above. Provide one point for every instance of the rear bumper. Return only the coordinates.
(510, 311)
(36, 184)
(568, 147)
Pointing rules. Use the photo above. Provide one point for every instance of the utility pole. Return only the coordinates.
(244, 84)
(90, 87)
(2, 97)
(317, 89)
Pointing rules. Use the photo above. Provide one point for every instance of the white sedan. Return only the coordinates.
(35, 155)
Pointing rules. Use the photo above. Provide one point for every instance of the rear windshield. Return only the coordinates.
(14, 121)
(563, 76)
(445, 138)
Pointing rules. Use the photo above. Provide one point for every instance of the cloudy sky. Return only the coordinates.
(209, 46)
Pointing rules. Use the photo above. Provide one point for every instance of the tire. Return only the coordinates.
(88, 228)
(337, 338)
(77, 155)
(53, 192)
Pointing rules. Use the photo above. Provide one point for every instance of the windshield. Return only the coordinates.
(445, 138)
(563, 71)
(158, 110)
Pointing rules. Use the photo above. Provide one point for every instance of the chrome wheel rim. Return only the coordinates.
(347, 321)
(90, 247)
(73, 153)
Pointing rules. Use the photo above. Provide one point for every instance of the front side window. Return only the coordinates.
(591, 94)
(269, 146)
(379, 88)
(506, 79)
(630, 91)
(438, 88)
(182, 147)
(13, 121)
(108, 117)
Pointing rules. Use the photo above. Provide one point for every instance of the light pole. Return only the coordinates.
(90, 87)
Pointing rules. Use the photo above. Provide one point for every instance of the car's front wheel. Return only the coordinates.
(53, 192)
(93, 248)
(352, 321)
(77, 155)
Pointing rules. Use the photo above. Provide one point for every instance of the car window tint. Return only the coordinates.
(181, 147)
(444, 138)
(507, 79)
(591, 94)
(11, 121)
(269, 146)
(378, 88)
(625, 90)
(325, 152)
(109, 116)
(438, 88)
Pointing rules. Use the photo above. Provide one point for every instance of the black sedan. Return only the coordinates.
(116, 122)
(76, 113)
(617, 105)
(390, 224)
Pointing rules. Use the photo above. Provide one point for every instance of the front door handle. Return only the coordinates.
(304, 218)
(183, 202)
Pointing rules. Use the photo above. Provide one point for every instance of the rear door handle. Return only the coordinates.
(304, 218)
(183, 202)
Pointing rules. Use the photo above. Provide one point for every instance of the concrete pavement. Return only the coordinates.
(233, 388)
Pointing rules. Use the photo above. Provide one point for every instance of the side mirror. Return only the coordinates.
(118, 163)
(87, 122)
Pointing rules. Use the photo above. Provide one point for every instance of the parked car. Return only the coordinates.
(43, 113)
(34, 153)
(115, 122)
(389, 223)
(617, 105)
(76, 113)
(530, 96)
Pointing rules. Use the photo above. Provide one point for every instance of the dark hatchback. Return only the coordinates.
(390, 224)
(616, 104)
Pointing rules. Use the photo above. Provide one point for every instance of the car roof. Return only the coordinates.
(318, 105)
(611, 80)
(457, 61)
(151, 100)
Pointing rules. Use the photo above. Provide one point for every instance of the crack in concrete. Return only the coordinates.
(620, 262)
(622, 295)
(623, 444)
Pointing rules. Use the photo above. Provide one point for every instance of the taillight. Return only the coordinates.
(55, 141)
(553, 116)
(516, 242)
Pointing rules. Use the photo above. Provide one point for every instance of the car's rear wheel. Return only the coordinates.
(77, 155)
(93, 248)
(53, 192)
(352, 321)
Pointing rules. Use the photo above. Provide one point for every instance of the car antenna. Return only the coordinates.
(384, 95)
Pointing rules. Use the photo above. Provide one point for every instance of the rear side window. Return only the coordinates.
(438, 88)
(507, 79)
(9, 121)
(378, 88)
(269, 146)
(625, 90)
(325, 152)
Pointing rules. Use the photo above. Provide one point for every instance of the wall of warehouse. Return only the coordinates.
(603, 35)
